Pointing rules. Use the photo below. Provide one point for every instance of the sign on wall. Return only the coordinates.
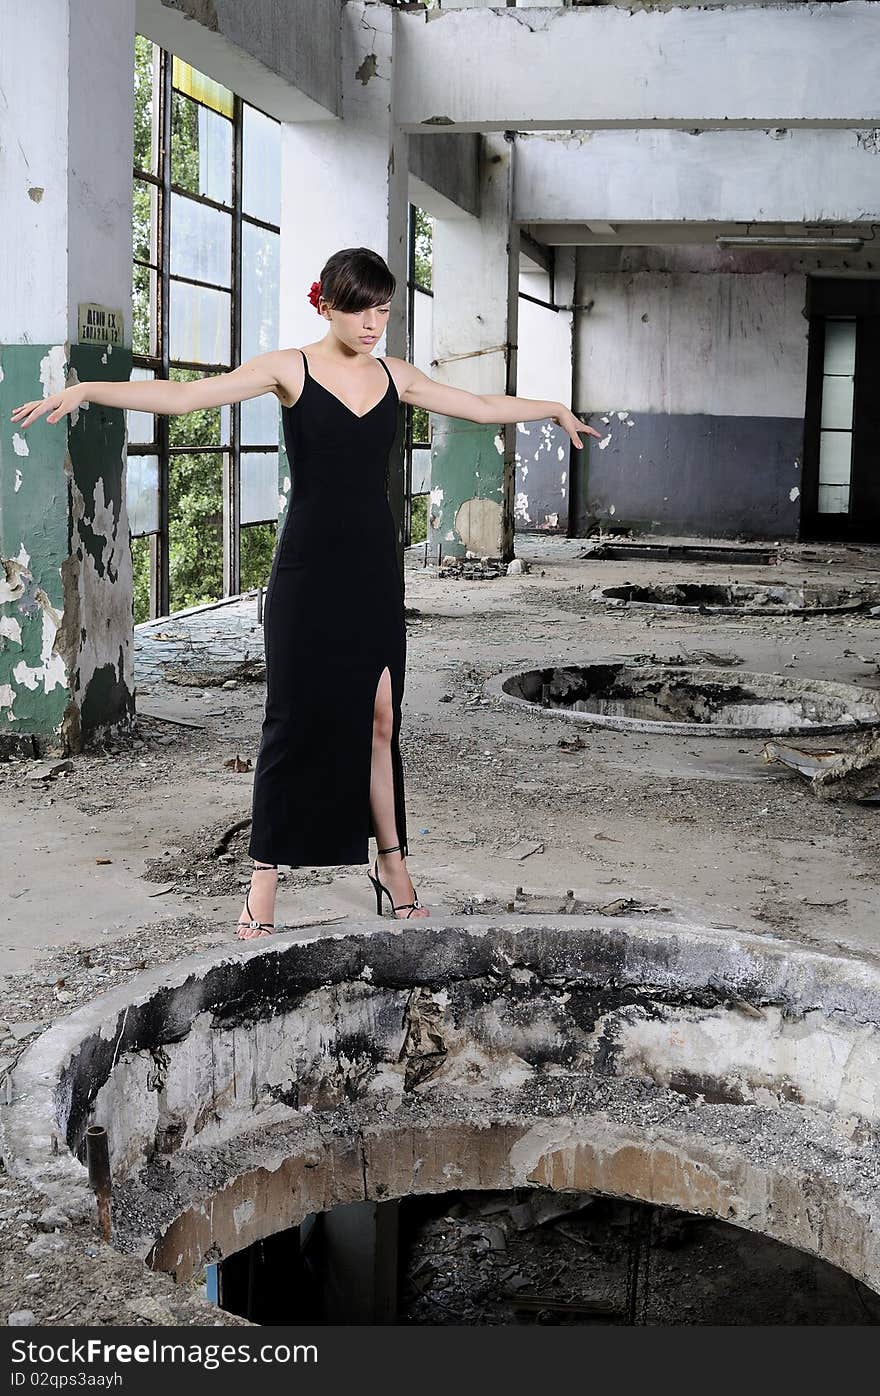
(98, 324)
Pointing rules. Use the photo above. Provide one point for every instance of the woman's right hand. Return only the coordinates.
(56, 404)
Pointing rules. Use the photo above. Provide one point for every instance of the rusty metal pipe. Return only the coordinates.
(98, 1164)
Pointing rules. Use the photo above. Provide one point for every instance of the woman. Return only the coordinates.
(329, 772)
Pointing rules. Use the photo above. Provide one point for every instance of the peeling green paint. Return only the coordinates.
(33, 533)
(466, 464)
(65, 588)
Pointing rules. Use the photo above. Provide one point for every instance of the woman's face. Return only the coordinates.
(359, 329)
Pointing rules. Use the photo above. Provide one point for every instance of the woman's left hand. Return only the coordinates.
(573, 425)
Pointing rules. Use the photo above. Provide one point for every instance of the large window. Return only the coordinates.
(420, 308)
(202, 488)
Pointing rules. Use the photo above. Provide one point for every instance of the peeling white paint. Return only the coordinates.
(19, 445)
(286, 485)
(18, 479)
(103, 358)
(622, 416)
(629, 422)
(2, 375)
(50, 672)
(605, 419)
(10, 629)
(499, 443)
(52, 374)
(24, 557)
(521, 507)
(98, 594)
(12, 583)
(281, 503)
(525, 471)
(551, 520)
(613, 509)
(560, 454)
(604, 442)
(436, 497)
(449, 536)
(7, 696)
(521, 426)
(794, 494)
(563, 477)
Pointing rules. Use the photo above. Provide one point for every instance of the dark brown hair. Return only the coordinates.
(356, 278)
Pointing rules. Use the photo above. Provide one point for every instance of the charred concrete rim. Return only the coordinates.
(779, 1185)
(787, 600)
(866, 701)
(769, 1031)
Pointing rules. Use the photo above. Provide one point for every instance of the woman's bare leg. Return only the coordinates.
(392, 866)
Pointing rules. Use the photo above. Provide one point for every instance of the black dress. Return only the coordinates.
(333, 622)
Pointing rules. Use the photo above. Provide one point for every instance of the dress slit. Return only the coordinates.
(396, 767)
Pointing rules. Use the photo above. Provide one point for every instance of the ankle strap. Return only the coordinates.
(394, 847)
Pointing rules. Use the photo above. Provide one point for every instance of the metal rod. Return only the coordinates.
(98, 1164)
(259, 605)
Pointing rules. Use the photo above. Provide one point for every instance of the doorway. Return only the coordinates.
(841, 479)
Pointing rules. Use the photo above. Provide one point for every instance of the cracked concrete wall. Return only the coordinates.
(544, 371)
(663, 66)
(692, 363)
(284, 58)
(787, 174)
(65, 585)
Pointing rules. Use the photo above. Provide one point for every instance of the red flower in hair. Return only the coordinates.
(314, 293)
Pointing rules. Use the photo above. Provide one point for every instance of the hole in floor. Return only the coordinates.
(530, 1256)
(695, 701)
(753, 599)
(681, 552)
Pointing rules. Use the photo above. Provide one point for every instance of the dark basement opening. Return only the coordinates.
(531, 1256)
(737, 598)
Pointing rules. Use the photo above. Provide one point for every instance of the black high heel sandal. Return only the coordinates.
(380, 888)
(253, 925)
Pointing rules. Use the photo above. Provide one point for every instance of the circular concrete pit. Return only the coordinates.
(699, 701)
(717, 1073)
(757, 599)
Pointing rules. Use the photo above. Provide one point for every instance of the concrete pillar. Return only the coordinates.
(65, 239)
(360, 1262)
(345, 185)
(475, 278)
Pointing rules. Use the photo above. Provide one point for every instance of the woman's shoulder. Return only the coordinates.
(291, 376)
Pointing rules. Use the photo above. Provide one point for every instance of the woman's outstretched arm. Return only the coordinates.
(422, 391)
(258, 375)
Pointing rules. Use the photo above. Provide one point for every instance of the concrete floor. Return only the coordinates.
(697, 827)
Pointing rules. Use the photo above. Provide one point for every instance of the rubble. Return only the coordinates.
(472, 568)
(835, 775)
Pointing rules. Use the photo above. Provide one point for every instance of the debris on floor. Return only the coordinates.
(834, 775)
(248, 670)
(471, 568)
(239, 763)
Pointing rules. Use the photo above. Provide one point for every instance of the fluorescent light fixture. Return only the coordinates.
(803, 244)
